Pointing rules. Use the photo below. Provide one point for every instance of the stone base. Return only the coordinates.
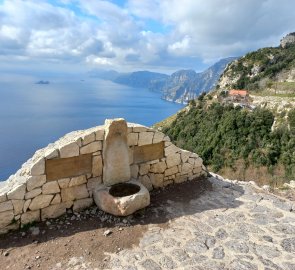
(122, 206)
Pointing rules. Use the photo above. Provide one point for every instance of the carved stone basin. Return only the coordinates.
(125, 189)
(122, 199)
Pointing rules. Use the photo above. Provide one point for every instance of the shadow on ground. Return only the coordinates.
(83, 235)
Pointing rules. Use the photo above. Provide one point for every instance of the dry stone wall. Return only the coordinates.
(64, 174)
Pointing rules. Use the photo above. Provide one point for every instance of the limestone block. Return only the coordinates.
(191, 177)
(56, 199)
(197, 170)
(54, 211)
(76, 181)
(64, 183)
(17, 193)
(145, 138)
(91, 148)
(99, 135)
(12, 227)
(146, 181)
(198, 162)
(6, 218)
(115, 153)
(82, 204)
(94, 183)
(139, 129)
(144, 169)
(51, 153)
(79, 142)
(153, 161)
(89, 138)
(18, 206)
(74, 193)
(173, 160)
(96, 166)
(39, 167)
(168, 182)
(159, 167)
(134, 171)
(167, 144)
(181, 179)
(166, 139)
(26, 205)
(170, 150)
(186, 168)
(51, 188)
(191, 161)
(185, 155)
(36, 181)
(132, 139)
(69, 150)
(40, 202)
(172, 170)
(33, 193)
(6, 206)
(157, 180)
(194, 155)
(30, 217)
(3, 198)
(158, 137)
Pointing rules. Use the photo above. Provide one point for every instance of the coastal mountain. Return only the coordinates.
(271, 69)
(141, 79)
(185, 85)
(180, 87)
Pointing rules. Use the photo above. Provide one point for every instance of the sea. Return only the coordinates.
(33, 115)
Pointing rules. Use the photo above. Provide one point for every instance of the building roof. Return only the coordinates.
(242, 93)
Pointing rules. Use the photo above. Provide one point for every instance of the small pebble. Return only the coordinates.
(107, 232)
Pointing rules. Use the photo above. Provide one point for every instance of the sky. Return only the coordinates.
(156, 35)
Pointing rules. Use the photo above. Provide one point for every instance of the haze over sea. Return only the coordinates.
(34, 115)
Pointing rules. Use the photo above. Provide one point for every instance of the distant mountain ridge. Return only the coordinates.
(184, 85)
(180, 87)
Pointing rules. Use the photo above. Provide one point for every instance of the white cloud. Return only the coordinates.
(102, 33)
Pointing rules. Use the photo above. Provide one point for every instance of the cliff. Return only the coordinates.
(270, 69)
(185, 85)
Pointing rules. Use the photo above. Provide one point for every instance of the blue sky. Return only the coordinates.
(158, 35)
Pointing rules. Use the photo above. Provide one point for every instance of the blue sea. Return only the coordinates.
(34, 115)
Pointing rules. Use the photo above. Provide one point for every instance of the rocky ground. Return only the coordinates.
(202, 224)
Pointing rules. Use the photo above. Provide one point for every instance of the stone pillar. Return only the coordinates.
(116, 167)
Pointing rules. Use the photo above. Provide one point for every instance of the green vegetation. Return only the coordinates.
(222, 135)
(267, 62)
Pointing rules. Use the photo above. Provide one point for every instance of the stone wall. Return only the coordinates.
(64, 174)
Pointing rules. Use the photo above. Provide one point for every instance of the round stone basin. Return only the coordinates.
(124, 189)
(122, 199)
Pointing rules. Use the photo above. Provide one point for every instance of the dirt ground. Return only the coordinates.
(83, 234)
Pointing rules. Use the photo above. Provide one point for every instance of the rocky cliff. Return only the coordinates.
(267, 68)
(184, 85)
(180, 87)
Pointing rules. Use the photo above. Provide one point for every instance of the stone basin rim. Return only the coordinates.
(124, 189)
